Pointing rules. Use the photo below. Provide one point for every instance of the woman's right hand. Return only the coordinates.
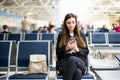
(70, 45)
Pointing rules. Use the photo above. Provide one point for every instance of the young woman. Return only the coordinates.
(71, 50)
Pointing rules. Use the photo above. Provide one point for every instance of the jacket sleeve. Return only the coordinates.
(60, 52)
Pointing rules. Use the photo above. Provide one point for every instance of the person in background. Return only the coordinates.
(44, 30)
(51, 29)
(104, 29)
(71, 50)
(25, 25)
(117, 28)
(5, 29)
(113, 27)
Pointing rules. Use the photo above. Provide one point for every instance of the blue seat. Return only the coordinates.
(31, 36)
(5, 54)
(48, 36)
(29, 77)
(98, 41)
(86, 76)
(2, 36)
(15, 36)
(24, 50)
(114, 39)
(51, 37)
(98, 38)
(35, 31)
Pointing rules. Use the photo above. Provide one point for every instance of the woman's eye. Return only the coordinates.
(73, 22)
(68, 22)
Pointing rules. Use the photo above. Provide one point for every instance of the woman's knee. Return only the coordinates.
(77, 74)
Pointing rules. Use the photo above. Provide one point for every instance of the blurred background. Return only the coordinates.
(41, 12)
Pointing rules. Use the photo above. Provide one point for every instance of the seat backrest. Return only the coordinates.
(31, 36)
(51, 37)
(114, 38)
(98, 38)
(15, 36)
(26, 48)
(2, 36)
(5, 55)
(48, 36)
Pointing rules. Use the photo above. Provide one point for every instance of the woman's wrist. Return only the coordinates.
(77, 50)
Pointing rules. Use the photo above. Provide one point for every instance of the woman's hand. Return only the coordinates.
(72, 44)
(75, 46)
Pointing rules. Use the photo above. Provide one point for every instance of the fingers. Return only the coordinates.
(71, 45)
(71, 41)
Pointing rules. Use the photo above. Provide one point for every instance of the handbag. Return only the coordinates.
(37, 64)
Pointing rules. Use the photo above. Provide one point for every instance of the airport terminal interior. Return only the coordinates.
(99, 20)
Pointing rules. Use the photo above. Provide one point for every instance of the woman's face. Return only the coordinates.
(71, 23)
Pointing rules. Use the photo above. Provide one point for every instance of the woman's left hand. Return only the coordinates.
(75, 46)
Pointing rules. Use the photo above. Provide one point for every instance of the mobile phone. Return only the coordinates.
(73, 39)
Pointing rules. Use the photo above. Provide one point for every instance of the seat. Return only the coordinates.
(98, 42)
(114, 40)
(15, 36)
(103, 68)
(5, 54)
(86, 76)
(35, 31)
(48, 36)
(98, 39)
(31, 36)
(2, 36)
(52, 38)
(24, 50)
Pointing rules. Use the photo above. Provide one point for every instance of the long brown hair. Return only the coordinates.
(65, 33)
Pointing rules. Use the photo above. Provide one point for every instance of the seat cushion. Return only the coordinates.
(28, 76)
(85, 76)
(1, 75)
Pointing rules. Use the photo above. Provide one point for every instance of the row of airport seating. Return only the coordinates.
(110, 42)
(104, 41)
(24, 50)
(109, 63)
(31, 36)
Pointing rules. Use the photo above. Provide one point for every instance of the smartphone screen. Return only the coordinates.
(72, 39)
